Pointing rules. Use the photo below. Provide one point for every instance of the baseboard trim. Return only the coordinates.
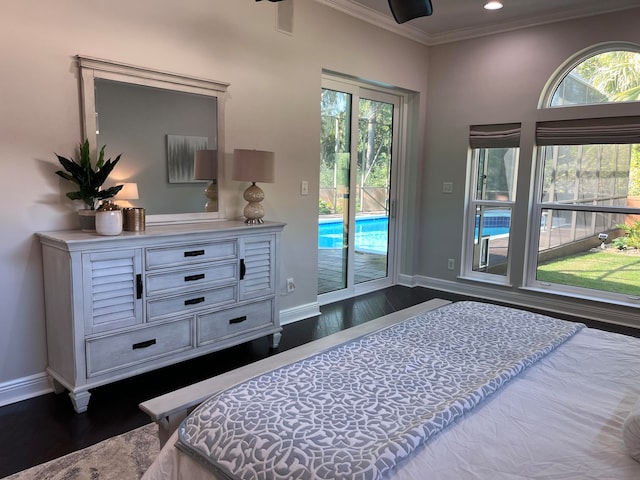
(578, 307)
(24, 388)
(299, 312)
(406, 280)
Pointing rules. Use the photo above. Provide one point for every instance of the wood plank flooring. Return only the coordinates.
(40, 429)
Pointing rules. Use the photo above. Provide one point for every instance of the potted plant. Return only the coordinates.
(89, 179)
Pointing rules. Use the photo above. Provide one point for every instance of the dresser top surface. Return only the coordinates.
(157, 232)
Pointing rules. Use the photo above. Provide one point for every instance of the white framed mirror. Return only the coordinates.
(156, 120)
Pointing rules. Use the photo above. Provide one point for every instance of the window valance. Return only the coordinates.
(495, 136)
(590, 131)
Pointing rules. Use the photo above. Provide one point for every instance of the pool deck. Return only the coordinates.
(368, 266)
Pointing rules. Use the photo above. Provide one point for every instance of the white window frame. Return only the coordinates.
(620, 113)
(487, 137)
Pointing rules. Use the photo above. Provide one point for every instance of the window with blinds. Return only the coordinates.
(588, 183)
(492, 194)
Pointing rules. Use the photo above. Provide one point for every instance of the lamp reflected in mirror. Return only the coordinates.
(129, 191)
(205, 167)
(253, 166)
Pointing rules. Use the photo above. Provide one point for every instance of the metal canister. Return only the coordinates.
(133, 219)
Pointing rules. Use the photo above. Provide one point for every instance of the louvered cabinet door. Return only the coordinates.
(257, 266)
(112, 289)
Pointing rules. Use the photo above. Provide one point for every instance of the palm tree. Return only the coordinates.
(615, 73)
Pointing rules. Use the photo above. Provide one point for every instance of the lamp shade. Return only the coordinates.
(253, 166)
(205, 165)
(129, 191)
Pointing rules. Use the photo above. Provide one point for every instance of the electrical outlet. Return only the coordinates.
(451, 264)
(291, 285)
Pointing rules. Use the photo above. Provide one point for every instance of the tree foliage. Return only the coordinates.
(615, 73)
(374, 141)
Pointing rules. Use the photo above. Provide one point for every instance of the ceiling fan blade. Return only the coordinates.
(405, 10)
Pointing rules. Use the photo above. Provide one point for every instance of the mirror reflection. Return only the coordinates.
(157, 131)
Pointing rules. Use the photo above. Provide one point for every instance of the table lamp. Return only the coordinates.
(253, 166)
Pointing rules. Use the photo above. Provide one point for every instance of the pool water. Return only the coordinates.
(495, 223)
(372, 234)
(493, 231)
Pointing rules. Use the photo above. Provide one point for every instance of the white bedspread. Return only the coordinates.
(561, 419)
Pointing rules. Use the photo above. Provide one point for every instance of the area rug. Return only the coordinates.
(123, 457)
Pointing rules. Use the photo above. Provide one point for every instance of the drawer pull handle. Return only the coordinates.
(194, 301)
(138, 286)
(237, 320)
(191, 278)
(145, 344)
(194, 253)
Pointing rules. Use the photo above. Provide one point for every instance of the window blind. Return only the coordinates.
(590, 131)
(495, 136)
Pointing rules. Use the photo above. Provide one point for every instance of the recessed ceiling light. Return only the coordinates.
(493, 5)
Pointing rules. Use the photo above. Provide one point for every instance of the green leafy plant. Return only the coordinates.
(632, 234)
(324, 208)
(621, 243)
(88, 178)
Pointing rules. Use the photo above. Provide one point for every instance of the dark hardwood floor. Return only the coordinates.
(37, 430)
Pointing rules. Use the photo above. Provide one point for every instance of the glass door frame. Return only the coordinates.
(359, 90)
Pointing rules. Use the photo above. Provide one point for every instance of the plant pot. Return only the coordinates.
(87, 220)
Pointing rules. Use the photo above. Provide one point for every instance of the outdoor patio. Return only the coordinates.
(368, 266)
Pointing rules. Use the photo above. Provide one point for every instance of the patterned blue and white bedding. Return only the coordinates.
(357, 410)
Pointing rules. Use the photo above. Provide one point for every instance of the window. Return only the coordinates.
(607, 77)
(492, 194)
(588, 179)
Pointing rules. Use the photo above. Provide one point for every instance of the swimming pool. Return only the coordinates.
(495, 223)
(372, 234)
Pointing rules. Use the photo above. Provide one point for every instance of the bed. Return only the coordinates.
(478, 391)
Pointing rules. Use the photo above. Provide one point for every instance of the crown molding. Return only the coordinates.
(543, 19)
(378, 19)
(387, 22)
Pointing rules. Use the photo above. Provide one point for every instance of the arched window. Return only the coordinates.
(587, 178)
(608, 74)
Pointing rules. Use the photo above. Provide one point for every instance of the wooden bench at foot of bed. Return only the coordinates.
(170, 409)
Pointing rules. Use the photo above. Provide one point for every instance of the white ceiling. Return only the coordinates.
(459, 19)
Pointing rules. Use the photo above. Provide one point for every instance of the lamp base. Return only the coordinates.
(253, 211)
(211, 192)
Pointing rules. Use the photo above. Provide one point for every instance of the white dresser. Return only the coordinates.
(119, 306)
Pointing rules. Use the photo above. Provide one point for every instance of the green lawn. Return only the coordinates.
(599, 270)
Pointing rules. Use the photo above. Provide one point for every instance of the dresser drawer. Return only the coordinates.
(199, 299)
(194, 277)
(130, 348)
(186, 254)
(216, 326)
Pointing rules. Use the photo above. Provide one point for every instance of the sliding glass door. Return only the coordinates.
(355, 222)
